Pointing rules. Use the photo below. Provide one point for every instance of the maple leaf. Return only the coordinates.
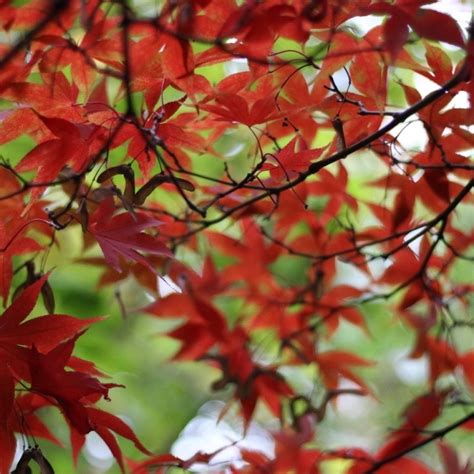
(43, 332)
(205, 325)
(234, 108)
(207, 284)
(291, 454)
(289, 162)
(241, 100)
(28, 404)
(441, 355)
(121, 235)
(12, 243)
(422, 411)
(169, 460)
(7, 436)
(72, 390)
(335, 364)
(253, 253)
(104, 424)
(55, 98)
(69, 144)
(369, 73)
(426, 22)
(451, 461)
(467, 363)
(363, 462)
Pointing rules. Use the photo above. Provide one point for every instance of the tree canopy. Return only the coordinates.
(267, 204)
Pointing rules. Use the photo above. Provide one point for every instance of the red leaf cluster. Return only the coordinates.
(264, 172)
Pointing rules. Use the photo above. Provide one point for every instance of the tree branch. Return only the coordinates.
(436, 435)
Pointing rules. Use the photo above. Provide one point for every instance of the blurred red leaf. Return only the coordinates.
(121, 235)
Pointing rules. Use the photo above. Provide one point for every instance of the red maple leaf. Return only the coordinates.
(234, 108)
(45, 332)
(104, 423)
(16, 337)
(12, 243)
(69, 143)
(121, 235)
(71, 389)
(422, 411)
(289, 163)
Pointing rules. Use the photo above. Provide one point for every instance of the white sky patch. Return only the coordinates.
(235, 149)
(411, 135)
(97, 452)
(363, 24)
(236, 65)
(424, 85)
(204, 433)
(376, 267)
(353, 406)
(411, 371)
(460, 10)
(349, 274)
(166, 286)
(415, 245)
(342, 80)
(18, 453)
(459, 101)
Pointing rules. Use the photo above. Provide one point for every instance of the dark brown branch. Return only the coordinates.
(56, 8)
(460, 76)
(436, 435)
